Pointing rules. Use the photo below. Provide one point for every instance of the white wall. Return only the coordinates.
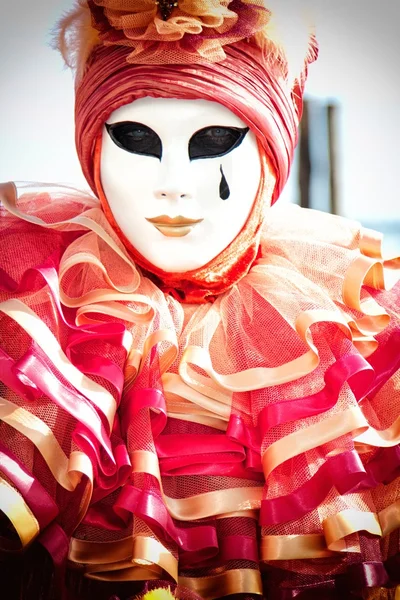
(358, 64)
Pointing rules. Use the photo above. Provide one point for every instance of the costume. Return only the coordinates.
(232, 429)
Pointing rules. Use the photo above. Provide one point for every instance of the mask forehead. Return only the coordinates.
(145, 193)
(173, 117)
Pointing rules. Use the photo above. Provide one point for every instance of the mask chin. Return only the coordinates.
(182, 202)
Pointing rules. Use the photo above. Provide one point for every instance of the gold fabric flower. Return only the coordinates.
(195, 31)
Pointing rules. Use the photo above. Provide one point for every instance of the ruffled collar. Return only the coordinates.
(280, 363)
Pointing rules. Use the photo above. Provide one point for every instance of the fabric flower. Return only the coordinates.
(196, 30)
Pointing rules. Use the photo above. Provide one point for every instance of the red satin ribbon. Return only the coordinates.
(136, 400)
(199, 542)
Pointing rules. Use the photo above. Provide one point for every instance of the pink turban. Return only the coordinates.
(246, 82)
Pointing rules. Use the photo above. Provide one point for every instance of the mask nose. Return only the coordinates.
(174, 183)
(170, 193)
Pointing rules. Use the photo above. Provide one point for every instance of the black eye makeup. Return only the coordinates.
(211, 142)
(135, 138)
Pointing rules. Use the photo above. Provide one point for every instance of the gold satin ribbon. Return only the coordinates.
(18, 512)
(116, 555)
(236, 581)
(350, 420)
(198, 417)
(381, 438)
(38, 331)
(291, 547)
(126, 573)
(67, 472)
(98, 553)
(338, 526)
(380, 593)
(202, 505)
(165, 359)
(132, 365)
(150, 550)
(250, 379)
(389, 518)
(261, 377)
(371, 242)
(366, 271)
(113, 309)
(213, 401)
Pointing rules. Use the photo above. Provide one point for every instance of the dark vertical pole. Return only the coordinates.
(304, 159)
(333, 158)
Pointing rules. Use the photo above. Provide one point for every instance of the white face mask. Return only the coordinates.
(180, 177)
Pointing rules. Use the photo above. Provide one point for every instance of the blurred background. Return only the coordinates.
(348, 157)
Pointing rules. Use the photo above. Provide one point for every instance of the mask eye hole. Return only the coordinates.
(211, 142)
(135, 138)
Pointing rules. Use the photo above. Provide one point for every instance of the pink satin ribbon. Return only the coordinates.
(199, 542)
(41, 504)
(108, 332)
(385, 360)
(345, 471)
(11, 376)
(352, 369)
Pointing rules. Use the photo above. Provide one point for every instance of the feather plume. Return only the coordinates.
(75, 37)
(288, 38)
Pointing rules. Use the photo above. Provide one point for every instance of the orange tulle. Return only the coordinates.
(206, 26)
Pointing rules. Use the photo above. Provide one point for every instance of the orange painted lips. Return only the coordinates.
(173, 226)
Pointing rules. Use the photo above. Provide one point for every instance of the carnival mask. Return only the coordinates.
(180, 177)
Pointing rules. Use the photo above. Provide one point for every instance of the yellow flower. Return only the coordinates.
(159, 594)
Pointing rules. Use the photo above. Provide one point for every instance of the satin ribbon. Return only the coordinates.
(291, 547)
(45, 339)
(56, 542)
(211, 398)
(385, 361)
(235, 581)
(352, 369)
(67, 472)
(33, 365)
(110, 332)
(145, 399)
(40, 503)
(338, 526)
(18, 512)
(9, 376)
(201, 541)
(351, 420)
(128, 555)
(202, 505)
(362, 576)
(345, 471)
